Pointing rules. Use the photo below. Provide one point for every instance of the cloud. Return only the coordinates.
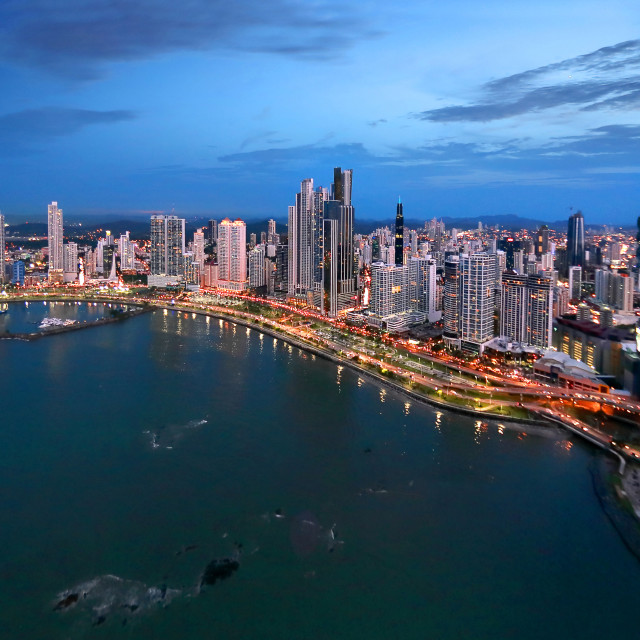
(77, 37)
(21, 130)
(339, 154)
(375, 123)
(608, 78)
(260, 135)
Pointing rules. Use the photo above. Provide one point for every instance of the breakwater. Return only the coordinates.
(77, 326)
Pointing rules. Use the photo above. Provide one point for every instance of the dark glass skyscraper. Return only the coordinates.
(542, 241)
(399, 234)
(575, 241)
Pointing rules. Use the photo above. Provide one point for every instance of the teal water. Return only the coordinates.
(442, 529)
(25, 317)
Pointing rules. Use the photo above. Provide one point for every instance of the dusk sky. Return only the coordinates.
(126, 107)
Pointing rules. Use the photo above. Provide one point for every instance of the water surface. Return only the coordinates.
(147, 449)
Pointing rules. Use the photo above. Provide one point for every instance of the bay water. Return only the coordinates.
(137, 454)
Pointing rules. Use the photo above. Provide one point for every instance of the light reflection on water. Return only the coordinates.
(410, 502)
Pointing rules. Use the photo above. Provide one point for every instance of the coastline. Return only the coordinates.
(605, 481)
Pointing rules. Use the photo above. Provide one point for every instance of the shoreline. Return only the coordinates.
(57, 330)
(346, 362)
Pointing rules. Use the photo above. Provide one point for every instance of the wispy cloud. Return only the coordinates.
(76, 37)
(608, 78)
(23, 130)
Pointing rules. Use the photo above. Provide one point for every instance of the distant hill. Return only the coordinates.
(139, 228)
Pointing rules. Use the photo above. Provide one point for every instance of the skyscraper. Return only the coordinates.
(198, 248)
(477, 283)
(2, 249)
(212, 231)
(399, 245)
(575, 240)
(301, 239)
(70, 261)
(539, 313)
(232, 255)
(389, 289)
(451, 300)
(126, 249)
(422, 285)
(55, 240)
(575, 282)
(167, 249)
(513, 306)
(257, 273)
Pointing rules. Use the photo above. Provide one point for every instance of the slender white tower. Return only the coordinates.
(55, 235)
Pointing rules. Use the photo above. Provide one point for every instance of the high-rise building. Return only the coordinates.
(422, 285)
(17, 270)
(212, 231)
(389, 289)
(232, 255)
(167, 248)
(451, 300)
(55, 240)
(341, 188)
(2, 250)
(301, 241)
(477, 283)
(257, 267)
(513, 306)
(575, 241)
(320, 196)
(70, 261)
(271, 231)
(539, 311)
(198, 248)
(614, 289)
(126, 248)
(399, 238)
(575, 282)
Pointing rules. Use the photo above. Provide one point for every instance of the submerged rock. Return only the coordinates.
(219, 569)
(67, 601)
(108, 594)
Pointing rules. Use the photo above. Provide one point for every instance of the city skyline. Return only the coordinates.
(151, 107)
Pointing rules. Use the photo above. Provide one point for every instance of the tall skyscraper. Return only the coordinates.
(126, 249)
(212, 231)
(271, 231)
(342, 185)
(55, 240)
(198, 248)
(399, 244)
(167, 248)
(232, 254)
(301, 241)
(637, 265)
(2, 250)
(575, 240)
(257, 268)
(422, 285)
(451, 300)
(477, 283)
(513, 306)
(70, 261)
(575, 282)
(539, 313)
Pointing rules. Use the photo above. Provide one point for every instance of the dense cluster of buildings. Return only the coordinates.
(484, 289)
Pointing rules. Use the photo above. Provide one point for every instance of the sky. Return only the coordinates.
(121, 108)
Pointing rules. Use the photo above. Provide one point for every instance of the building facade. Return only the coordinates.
(232, 255)
(55, 237)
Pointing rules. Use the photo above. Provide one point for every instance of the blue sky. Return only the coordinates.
(123, 107)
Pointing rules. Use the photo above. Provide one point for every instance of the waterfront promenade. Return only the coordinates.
(441, 382)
